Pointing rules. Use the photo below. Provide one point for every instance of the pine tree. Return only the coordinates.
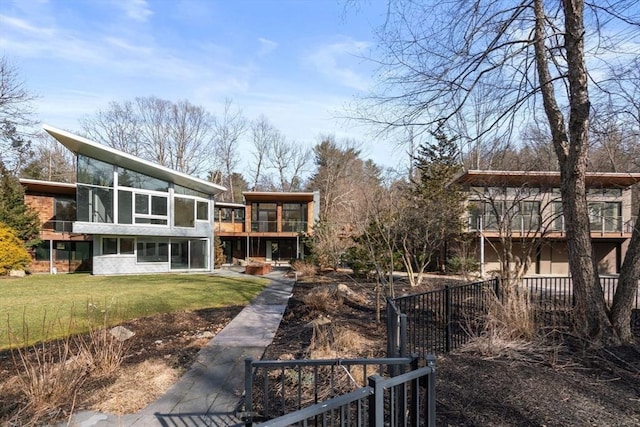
(14, 212)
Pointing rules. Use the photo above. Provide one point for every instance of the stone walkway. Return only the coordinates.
(210, 393)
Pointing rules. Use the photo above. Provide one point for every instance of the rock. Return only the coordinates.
(17, 273)
(121, 333)
(343, 291)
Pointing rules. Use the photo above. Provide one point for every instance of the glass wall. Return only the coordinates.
(141, 199)
(294, 217)
(264, 217)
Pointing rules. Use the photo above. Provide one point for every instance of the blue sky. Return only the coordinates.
(298, 62)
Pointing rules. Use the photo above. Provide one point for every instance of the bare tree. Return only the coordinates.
(263, 135)
(438, 54)
(15, 117)
(227, 131)
(175, 135)
(50, 161)
(290, 161)
(118, 126)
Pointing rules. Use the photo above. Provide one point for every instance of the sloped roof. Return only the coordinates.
(86, 147)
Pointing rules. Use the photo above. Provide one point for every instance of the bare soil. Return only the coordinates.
(564, 386)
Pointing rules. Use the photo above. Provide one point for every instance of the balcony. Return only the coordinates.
(272, 226)
(57, 226)
(523, 225)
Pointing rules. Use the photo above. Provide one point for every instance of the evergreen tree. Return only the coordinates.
(13, 211)
(436, 164)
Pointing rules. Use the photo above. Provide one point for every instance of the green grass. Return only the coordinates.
(45, 307)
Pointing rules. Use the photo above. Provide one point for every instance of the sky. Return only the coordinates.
(298, 62)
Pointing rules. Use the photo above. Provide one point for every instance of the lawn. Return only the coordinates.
(44, 307)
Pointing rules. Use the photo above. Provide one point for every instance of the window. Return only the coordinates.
(225, 214)
(203, 211)
(178, 189)
(264, 217)
(558, 219)
(62, 251)
(605, 216)
(109, 246)
(125, 210)
(65, 214)
(152, 251)
(128, 178)
(94, 172)
(42, 251)
(184, 212)
(239, 215)
(126, 246)
(294, 217)
(95, 204)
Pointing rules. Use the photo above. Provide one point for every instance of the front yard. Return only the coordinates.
(45, 307)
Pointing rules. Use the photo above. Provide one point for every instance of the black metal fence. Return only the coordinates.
(442, 320)
(344, 392)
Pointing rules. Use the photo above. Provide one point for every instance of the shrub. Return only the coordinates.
(13, 255)
(462, 265)
(305, 268)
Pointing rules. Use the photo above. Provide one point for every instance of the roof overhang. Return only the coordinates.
(48, 187)
(268, 196)
(86, 147)
(541, 178)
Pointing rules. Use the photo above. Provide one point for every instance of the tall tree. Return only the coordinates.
(263, 135)
(439, 54)
(15, 117)
(227, 131)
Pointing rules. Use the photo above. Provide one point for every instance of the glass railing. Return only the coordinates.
(264, 226)
(58, 226)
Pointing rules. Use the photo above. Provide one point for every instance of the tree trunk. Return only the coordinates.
(627, 288)
(571, 144)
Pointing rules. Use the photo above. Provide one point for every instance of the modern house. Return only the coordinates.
(268, 226)
(523, 210)
(124, 215)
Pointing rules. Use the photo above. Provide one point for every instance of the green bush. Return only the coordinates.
(13, 255)
(462, 265)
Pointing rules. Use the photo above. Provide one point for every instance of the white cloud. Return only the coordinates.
(24, 26)
(138, 10)
(266, 46)
(337, 60)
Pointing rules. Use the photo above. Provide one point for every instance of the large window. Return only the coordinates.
(188, 254)
(184, 212)
(94, 172)
(152, 251)
(605, 217)
(95, 204)
(294, 217)
(264, 217)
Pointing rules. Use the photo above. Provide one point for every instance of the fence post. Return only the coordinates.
(392, 330)
(497, 288)
(447, 318)
(376, 402)
(248, 391)
(415, 394)
(430, 404)
(403, 335)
